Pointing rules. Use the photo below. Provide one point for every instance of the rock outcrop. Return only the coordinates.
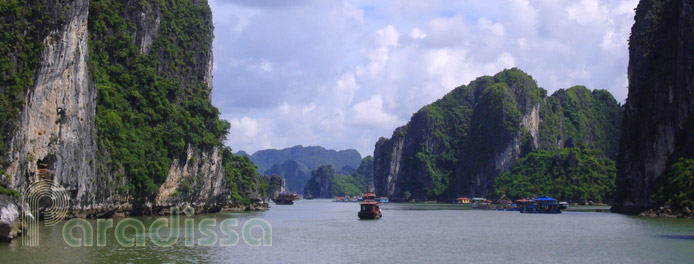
(197, 181)
(295, 174)
(659, 115)
(275, 185)
(55, 135)
(460, 143)
(9, 219)
(321, 182)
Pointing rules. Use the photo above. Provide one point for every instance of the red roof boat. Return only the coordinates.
(369, 207)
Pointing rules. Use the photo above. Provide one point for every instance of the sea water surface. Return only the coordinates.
(320, 231)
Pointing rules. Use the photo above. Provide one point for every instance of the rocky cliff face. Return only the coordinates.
(457, 145)
(295, 174)
(659, 114)
(276, 185)
(55, 133)
(320, 184)
(9, 219)
(54, 137)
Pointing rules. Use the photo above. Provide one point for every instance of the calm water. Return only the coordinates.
(320, 231)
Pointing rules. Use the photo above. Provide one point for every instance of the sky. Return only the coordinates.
(342, 74)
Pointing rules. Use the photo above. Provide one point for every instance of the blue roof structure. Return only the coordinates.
(545, 198)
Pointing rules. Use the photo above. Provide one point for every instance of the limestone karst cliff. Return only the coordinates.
(659, 111)
(460, 143)
(111, 100)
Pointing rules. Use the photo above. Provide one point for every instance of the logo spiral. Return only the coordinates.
(42, 198)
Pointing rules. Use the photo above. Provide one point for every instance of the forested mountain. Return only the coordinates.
(458, 145)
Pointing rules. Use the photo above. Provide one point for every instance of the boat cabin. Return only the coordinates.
(369, 210)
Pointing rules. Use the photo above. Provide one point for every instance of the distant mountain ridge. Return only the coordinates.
(296, 163)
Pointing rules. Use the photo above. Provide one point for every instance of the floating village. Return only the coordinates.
(369, 204)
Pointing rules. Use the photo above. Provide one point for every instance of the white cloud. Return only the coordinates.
(248, 132)
(388, 37)
(346, 86)
(487, 24)
(417, 33)
(370, 113)
(587, 11)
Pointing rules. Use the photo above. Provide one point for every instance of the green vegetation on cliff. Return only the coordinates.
(145, 115)
(676, 187)
(152, 106)
(23, 26)
(242, 177)
(579, 116)
(570, 174)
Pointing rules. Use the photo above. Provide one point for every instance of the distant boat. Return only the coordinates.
(370, 208)
(284, 198)
(384, 199)
(540, 205)
(563, 206)
(308, 197)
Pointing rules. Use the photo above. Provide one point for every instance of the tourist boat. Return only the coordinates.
(369, 210)
(369, 207)
(308, 197)
(384, 199)
(284, 198)
(540, 205)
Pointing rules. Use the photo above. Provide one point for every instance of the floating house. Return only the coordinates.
(540, 205)
(481, 203)
(505, 204)
(462, 200)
